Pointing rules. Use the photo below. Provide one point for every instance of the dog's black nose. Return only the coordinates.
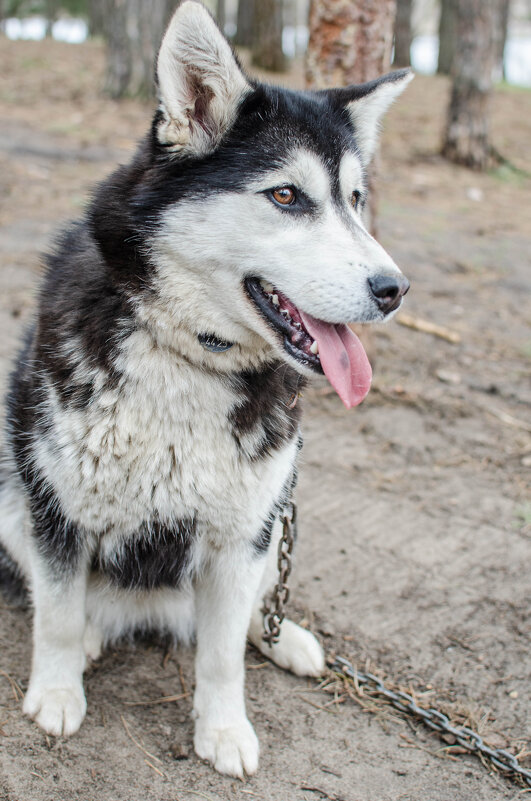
(388, 290)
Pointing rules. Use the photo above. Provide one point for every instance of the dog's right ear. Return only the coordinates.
(199, 80)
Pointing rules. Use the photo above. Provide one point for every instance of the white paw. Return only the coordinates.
(297, 650)
(92, 642)
(232, 750)
(56, 710)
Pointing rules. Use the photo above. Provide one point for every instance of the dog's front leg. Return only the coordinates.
(297, 649)
(55, 697)
(224, 600)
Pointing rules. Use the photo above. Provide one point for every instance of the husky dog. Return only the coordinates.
(152, 429)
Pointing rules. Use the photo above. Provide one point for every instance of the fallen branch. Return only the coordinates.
(508, 419)
(138, 745)
(311, 789)
(417, 324)
(155, 768)
(166, 699)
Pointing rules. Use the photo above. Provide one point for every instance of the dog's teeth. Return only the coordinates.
(266, 286)
(314, 348)
(297, 326)
(285, 313)
(275, 301)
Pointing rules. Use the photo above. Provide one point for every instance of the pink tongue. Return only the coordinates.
(343, 359)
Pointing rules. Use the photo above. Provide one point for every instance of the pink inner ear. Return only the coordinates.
(199, 96)
(201, 108)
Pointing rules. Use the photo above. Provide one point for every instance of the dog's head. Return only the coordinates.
(258, 194)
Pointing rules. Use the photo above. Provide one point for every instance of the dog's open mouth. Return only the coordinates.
(332, 349)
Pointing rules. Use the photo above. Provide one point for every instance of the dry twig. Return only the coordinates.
(508, 419)
(155, 768)
(135, 741)
(166, 699)
(17, 692)
(427, 327)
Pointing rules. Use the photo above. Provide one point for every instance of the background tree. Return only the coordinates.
(403, 34)
(466, 138)
(96, 17)
(350, 42)
(244, 23)
(221, 14)
(448, 34)
(447, 37)
(133, 31)
(51, 10)
(500, 35)
(267, 29)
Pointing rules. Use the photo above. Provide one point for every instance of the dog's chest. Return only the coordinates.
(165, 448)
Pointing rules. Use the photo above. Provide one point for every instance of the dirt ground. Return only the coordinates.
(415, 512)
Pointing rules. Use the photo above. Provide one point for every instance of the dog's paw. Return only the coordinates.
(232, 750)
(56, 710)
(297, 650)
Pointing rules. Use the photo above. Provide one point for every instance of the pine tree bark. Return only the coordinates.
(133, 31)
(466, 137)
(267, 35)
(403, 34)
(350, 42)
(244, 23)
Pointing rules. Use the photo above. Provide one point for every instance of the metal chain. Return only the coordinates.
(273, 612)
(273, 609)
(439, 722)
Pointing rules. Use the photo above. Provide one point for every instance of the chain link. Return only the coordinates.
(436, 720)
(273, 609)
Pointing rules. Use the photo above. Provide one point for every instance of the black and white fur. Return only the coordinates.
(142, 473)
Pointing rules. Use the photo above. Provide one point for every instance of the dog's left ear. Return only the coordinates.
(199, 80)
(366, 104)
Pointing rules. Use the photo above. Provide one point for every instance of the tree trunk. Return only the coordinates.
(350, 42)
(267, 35)
(96, 17)
(501, 36)
(244, 23)
(221, 14)
(447, 37)
(403, 34)
(466, 138)
(133, 30)
(51, 10)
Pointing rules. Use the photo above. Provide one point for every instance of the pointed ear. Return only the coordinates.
(366, 105)
(199, 80)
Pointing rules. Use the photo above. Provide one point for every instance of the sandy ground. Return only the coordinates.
(415, 510)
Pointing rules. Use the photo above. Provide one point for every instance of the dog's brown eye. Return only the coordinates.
(285, 196)
(355, 199)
